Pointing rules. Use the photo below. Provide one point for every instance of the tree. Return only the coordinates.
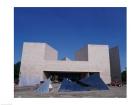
(124, 76)
(16, 72)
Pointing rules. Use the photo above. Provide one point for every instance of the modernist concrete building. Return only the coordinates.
(40, 58)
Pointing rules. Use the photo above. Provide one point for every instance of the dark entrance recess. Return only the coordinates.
(74, 76)
(59, 76)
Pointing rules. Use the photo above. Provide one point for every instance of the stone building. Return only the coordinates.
(40, 59)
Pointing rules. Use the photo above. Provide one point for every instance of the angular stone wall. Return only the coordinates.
(39, 57)
(98, 56)
(115, 64)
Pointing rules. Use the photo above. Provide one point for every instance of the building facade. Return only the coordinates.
(38, 58)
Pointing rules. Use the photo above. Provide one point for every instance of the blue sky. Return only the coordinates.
(68, 29)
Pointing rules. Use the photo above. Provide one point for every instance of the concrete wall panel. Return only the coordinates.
(50, 53)
(82, 54)
(98, 56)
(115, 64)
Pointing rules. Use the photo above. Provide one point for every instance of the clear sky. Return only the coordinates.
(69, 29)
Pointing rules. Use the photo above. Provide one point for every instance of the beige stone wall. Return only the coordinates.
(98, 56)
(33, 56)
(39, 57)
(68, 66)
(33, 52)
(50, 53)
